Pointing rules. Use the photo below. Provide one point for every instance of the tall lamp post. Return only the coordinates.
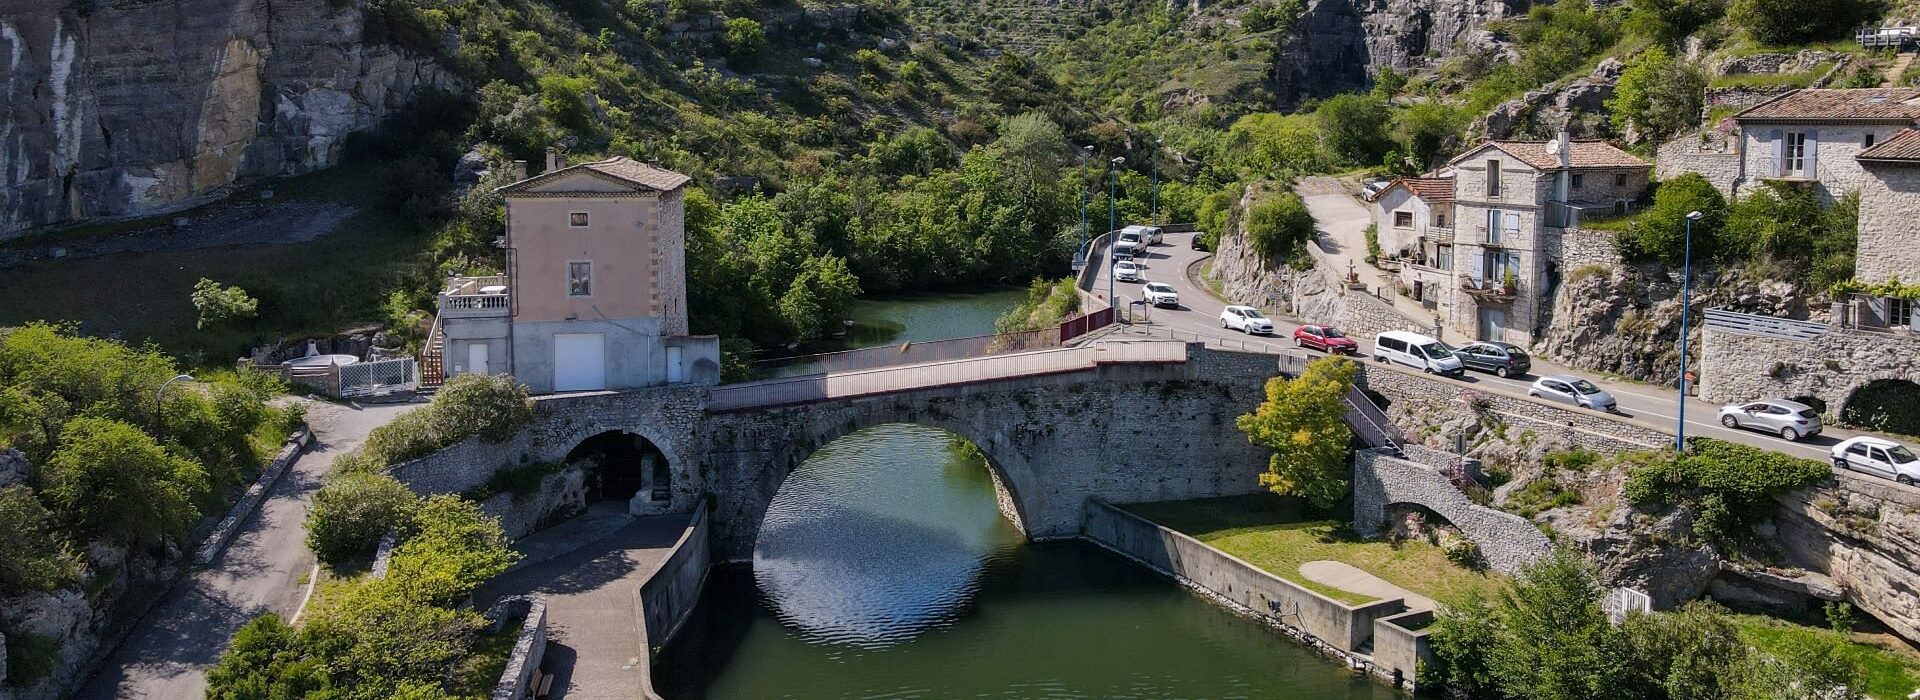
(1686, 308)
(1156, 181)
(1084, 152)
(1113, 221)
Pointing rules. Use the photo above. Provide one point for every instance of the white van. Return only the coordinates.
(1417, 351)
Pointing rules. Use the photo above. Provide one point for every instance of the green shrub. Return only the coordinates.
(1661, 233)
(1730, 486)
(1278, 225)
(743, 37)
(1354, 127)
(1657, 95)
(1791, 22)
(113, 480)
(30, 658)
(353, 511)
(491, 406)
(267, 659)
(33, 554)
(454, 548)
(1891, 405)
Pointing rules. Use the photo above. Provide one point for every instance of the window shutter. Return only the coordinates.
(1779, 153)
(1512, 224)
(1813, 145)
(1479, 267)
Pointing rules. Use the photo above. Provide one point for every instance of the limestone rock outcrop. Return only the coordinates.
(1863, 533)
(1652, 551)
(1624, 321)
(1578, 105)
(1338, 44)
(117, 108)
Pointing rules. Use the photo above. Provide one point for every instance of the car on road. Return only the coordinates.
(1326, 339)
(1879, 457)
(1129, 242)
(1791, 420)
(1126, 271)
(1572, 390)
(1417, 351)
(1148, 235)
(1246, 319)
(1160, 294)
(1502, 359)
(1198, 241)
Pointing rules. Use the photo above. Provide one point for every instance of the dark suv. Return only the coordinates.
(1502, 359)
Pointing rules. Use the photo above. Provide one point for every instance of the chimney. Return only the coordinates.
(1566, 148)
(519, 170)
(554, 160)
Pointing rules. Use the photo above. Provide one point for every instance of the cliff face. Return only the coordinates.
(1625, 320)
(1339, 44)
(129, 107)
(1864, 533)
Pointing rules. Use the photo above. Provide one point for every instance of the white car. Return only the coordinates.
(1246, 319)
(1879, 457)
(1129, 243)
(1126, 271)
(1160, 294)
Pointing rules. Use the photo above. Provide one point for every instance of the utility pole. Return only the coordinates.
(1686, 309)
(1113, 219)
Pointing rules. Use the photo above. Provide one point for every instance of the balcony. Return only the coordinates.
(1487, 290)
(1489, 238)
(475, 297)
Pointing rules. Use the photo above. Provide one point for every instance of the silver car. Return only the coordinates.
(1572, 390)
(1788, 419)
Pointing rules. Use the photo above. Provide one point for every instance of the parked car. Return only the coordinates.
(1574, 391)
(1789, 419)
(1246, 319)
(1502, 359)
(1153, 234)
(1417, 351)
(1879, 457)
(1160, 294)
(1325, 339)
(1126, 271)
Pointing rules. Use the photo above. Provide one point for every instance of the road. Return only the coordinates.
(1199, 314)
(266, 569)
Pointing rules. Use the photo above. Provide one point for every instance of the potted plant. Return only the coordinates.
(1509, 282)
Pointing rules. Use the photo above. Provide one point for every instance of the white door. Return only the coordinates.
(1493, 324)
(675, 374)
(477, 358)
(579, 361)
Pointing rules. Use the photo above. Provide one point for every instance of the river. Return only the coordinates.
(901, 318)
(884, 570)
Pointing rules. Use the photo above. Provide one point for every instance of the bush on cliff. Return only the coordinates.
(491, 407)
(1304, 422)
(1729, 486)
(1278, 225)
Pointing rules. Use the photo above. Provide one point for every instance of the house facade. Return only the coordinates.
(1813, 138)
(595, 291)
(1888, 246)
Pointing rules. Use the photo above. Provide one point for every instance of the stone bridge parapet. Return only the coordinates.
(1507, 541)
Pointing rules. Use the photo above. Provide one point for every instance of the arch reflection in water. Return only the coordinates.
(885, 570)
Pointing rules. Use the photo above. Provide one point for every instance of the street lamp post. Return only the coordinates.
(1084, 251)
(162, 393)
(1686, 308)
(1113, 218)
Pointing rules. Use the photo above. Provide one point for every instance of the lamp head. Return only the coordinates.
(1695, 216)
(1117, 160)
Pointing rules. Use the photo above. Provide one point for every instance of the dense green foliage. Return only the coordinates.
(1660, 233)
(1730, 486)
(1789, 22)
(115, 460)
(1354, 127)
(1278, 225)
(490, 407)
(1547, 638)
(1891, 405)
(1668, 22)
(1554, 40)
(1782, 227)
(1657, 96)
(373, 639)
(353, 511)
(1303, 421)
(1046, 305)
(218, 304)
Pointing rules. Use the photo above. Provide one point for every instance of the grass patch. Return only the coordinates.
(485, 661)
(1279, 533)
(1889, 674)
(1765, 80)
(1212, 281)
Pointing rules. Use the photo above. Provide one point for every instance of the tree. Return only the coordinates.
(1554, 642)
(453, 550)
(1693, 653)
(1461, 636)
(1030, 150)
(743, 37)
(113, 480)
(1790, 22)
(375, 640)
(353, 511)
(1776, 222)
(1270, 144)
(1355, 127)
(1668, 22)
(33, 554)
(1303, 421)
(267, 660)
(1388, 83)
(1660, 233)
(1657, 96)
(218, 305)
(1428, 131)
(1277, 226)
(819, 298)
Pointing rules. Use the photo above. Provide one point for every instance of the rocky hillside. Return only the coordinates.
(128, 107)
(1624, 320)
(1342, 44)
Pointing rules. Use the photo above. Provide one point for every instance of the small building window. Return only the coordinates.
(577, 219)
(1440, 219)
(1867, 141)
(1493, 178)
(1793, 158)
(1899, 312)
(1579, 180)
(579, 279)
(1620, 180)
(1443, 256)
(1403, 219)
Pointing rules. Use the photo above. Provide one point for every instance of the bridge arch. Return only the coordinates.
(1882, 401)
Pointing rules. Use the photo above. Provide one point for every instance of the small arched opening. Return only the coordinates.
(1891, 405)
(620, 465)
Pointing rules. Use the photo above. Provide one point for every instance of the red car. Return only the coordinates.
(1325, 339)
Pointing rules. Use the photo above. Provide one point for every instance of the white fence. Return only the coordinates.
(1621, 602)
(1769, 326)
(368, 378)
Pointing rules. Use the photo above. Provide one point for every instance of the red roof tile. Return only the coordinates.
(1432, 189)
(619, 168)
(1861, 104)
(1903, 146)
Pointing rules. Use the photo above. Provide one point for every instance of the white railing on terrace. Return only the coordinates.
(476, 296)
(1768, 326)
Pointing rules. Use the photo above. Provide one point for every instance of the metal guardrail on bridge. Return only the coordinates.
(820, 387)
(1768, 326)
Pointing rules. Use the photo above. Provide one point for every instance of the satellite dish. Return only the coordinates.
(1553, 147)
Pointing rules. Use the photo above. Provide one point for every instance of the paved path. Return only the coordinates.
(265, 569)
(594, 631)
(1351, 579)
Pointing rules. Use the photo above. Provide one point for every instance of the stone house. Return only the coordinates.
(1413, 219)
(595, 291)
(1514, 204)
(1889, 229)
(1813, 137)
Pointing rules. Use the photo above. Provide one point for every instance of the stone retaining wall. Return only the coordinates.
(1400, 645)
(216, 542)
(1588, 429)
(1507, 541)
(1711, 153)
(1575, 248)
(529, 647)
(672, 593)
(1333, 627)
(1740, 367)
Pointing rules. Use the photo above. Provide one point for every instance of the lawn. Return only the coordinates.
(1279, 533)
(315, 287)
(1890, 674)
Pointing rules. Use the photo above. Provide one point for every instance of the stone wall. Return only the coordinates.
(1864, 532)
(1710, 152)
(529, 646)
(1575, 248)
(1400, 646)
(1587, 429)
(1507, 541)
(672, 593)
(1889, 244)
(119, 108)
(1832, 149)
(1739, 367)
(559, 495)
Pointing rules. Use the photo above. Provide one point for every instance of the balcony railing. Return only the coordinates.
(476, 296)
(1487, 289)
(1565, 215)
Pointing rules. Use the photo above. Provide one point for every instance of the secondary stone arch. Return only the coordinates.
(1847, 402)
(665, 487)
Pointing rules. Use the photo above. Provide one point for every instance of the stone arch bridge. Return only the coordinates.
(1123, 421)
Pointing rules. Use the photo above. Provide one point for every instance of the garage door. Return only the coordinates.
(579, 361)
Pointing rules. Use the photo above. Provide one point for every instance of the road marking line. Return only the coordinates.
(313, 580)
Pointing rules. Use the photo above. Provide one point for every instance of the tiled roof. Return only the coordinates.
(618, 168)
(1432, 189)
(1876, 104)
(1580, 154)
(1903, 146)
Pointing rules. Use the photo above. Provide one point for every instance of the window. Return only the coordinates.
(1899, 312)
(577, 219)
(1493, 178)
(1867, 141)
(1499, 263)
(1443, 256)
(1403, 219)
(1620, 180)
(1579, 180)
(579, 279)
(1440, 219)
(1493, 227)
(1793, 157)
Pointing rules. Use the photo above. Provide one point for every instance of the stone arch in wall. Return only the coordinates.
(1888, 401)
(1382, 481)
(623, 466)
